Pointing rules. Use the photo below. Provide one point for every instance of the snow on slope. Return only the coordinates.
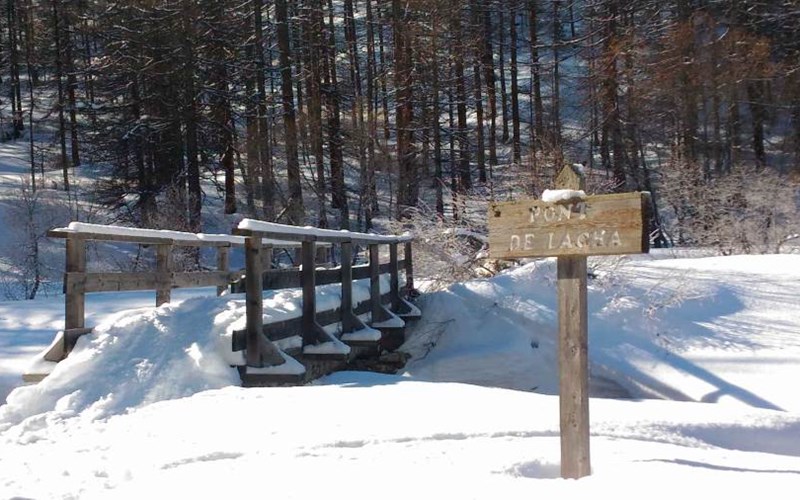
(683, 329)
(149, 406)
(134, 358)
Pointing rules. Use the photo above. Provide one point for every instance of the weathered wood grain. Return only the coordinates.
(573, 343)
(600, 225)
(223, 265)
(260, 352)
(74, 298)
(573, 364)
(163, 270)
(122, 282)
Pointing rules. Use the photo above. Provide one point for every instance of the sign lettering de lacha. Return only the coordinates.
(608, 224)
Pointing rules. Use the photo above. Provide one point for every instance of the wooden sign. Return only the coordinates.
(571, 229)
(595, 225)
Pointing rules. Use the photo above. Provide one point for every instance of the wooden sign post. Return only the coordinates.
(571, 229)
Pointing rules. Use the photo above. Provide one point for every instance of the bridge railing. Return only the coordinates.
(381, 309)
(78, 280)
(259, 239)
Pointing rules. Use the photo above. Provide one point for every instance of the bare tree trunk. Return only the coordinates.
(755, 95)
(516, 146)
(190, 121)
(488, 66)
(452, 158)
(536, 77)
(383, 76)
(267, 188)
(31, 82)
(475, 28)
(338, 185)
(251, 133)
(734, 128)
(18, 123)
(404, 108)
(351, 37)
(72, 83)
(295, 210)
(457, 47)
(501, 67)
(369, 188)
(556, 101)
(62, 125)
(435, 127)
(311, 15)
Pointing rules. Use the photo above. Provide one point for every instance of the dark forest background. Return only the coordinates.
(340, 113)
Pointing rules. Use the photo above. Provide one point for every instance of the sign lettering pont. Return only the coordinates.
(596, 225)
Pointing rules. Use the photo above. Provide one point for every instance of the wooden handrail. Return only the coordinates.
(312, 331)
(258, 239)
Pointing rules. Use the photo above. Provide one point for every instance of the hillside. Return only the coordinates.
(706, 348)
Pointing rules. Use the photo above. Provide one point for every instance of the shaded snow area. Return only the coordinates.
(718, 329)
(696, 362)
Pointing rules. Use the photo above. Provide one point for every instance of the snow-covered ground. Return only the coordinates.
(706, 353)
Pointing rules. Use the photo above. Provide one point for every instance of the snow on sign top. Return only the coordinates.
(556, 195)
(316, 234)
(567, 222)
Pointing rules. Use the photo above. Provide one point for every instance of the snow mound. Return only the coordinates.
(658, 328)
(170, 352)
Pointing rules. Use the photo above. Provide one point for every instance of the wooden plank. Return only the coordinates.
(273, 280)
(347, 286)
(308, 275)
(122, 282)
(267, 252)
(163, 271)
(573, 362)
(573, 352)
(111, 282)
(293, 233)
(364, 271)
(374, 283)
(279, 279)
(253, 300)
(394, 276)
(600, 225)
(408, 263)
(259, 351)
(290, 327)
(141, 240)
(196, 279)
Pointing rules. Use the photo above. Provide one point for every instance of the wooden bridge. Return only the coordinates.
(293, 351)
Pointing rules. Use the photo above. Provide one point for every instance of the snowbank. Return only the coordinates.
(658, 328)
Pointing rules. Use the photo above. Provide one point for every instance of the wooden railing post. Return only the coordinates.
(347, 287)
(409, 261)
(394, 277)
(308, 278)
(223, 264)
(266, 257)
(74, 299)
(253, 299)
(374, 283)
(164, 270)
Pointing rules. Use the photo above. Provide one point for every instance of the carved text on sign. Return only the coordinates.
(565, 240)
(557, 213)
(595, 225)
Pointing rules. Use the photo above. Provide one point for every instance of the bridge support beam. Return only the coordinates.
(259, 352)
